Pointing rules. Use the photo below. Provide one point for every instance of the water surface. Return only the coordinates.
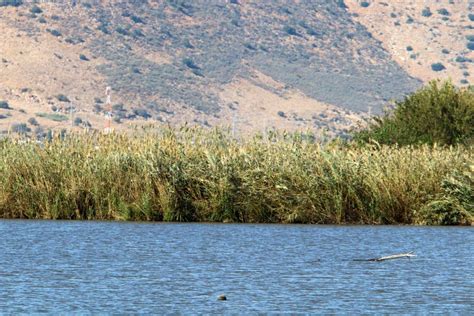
(111, 267)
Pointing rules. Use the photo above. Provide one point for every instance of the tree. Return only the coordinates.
(438, 113)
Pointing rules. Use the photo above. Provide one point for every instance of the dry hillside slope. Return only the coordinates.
(319, 65)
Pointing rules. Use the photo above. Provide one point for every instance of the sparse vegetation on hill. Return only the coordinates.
(439, 113)
(193, 59)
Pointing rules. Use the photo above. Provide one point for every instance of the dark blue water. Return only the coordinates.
(83, 267)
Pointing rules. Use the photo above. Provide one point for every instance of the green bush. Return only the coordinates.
(437, 67)
(77, 121)
(437, 113)
(55, 33)
(426, 12)
(62, 98)
(4, 105)
(36, 10)
(444, 12)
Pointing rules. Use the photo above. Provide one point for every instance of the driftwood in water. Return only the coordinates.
(398, 256)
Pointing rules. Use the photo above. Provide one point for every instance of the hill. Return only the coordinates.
(295, 65)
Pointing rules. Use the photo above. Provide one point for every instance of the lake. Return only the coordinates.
(125, 267)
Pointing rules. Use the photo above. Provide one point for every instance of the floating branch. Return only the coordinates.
(397, 256)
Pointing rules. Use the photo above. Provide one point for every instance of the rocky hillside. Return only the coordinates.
(251, 64)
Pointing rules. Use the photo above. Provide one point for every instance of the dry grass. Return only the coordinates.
(197, 175)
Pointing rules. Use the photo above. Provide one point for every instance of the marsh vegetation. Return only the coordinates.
(197, 175)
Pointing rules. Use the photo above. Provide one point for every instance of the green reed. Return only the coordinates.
(196, 175)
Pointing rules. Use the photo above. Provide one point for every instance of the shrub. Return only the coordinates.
(62, 98)
(445, 51)
(470, 38)
(444, 12)
(33, 121)
(122, 31)
(281, 114)
(190, 63)
(426, 12)
(13, 3)
(97, 108)
(437, 113)
(470, 45)
(55, 33)
(312, 32)
(36, 10)
(198, 72)
(138, 33)
(83, 57)
(118, 107)
(437, 67)
(290, 30)
(4, 105)
(471, 16)
(20, 128)
(103, 29)
(464, 81)
(55, 18)
(188, 44)
(53, 116)
(364, 4)
(341, 4)
(462, 59)
(98, 100)
(3, 116)
(409, 48)
(136, 19)
(142, 112)
(77, 121)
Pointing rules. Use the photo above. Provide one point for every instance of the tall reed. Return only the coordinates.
(197, 175)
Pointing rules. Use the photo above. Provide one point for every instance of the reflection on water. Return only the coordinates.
(48, 266)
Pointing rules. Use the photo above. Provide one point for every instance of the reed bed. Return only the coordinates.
(196, 175)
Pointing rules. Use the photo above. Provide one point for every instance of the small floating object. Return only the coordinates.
(222, 297)
(397, 256)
